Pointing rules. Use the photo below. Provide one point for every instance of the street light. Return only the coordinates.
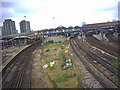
(54, 21)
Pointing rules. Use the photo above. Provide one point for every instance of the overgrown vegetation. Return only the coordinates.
(55, 43)
(49, 42)
(61, 78)
(116, 64)
(62, 55)
(55, 51)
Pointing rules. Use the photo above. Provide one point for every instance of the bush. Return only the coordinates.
(51, 41)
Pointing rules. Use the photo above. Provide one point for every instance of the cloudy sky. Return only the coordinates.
(40, 13)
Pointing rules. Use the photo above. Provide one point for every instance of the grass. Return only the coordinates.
(49, 59)
(65, 81)
(65, 42)
(61, 77)
(115, 65)
(54, 44)
(62, 55)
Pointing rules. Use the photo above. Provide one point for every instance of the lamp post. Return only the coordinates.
(54, 21)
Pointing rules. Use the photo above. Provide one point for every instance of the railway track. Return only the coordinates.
(88, 64)
(78, 54)
(98, 58)
(105, 47)
(17, 74)
(108, 58)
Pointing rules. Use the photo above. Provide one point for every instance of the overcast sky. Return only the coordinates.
(40, 13)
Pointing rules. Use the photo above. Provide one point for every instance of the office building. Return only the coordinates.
(25, 26)
(8, 27)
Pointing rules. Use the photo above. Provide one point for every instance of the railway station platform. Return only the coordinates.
(9, 53)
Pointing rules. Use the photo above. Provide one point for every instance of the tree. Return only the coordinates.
(61, 27)
(76, 27)
(70, 27)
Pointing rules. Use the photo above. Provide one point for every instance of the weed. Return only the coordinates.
(116, 65)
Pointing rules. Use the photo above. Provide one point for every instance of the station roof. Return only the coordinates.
(32, 36)
(102, 24)
(22, 37)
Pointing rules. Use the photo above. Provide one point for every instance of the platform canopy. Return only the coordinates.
(21, 37)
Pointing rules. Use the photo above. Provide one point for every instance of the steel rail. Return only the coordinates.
(87, 67)
(98, 58)
(80, 45)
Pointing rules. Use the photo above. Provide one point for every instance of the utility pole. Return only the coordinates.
(54, 21)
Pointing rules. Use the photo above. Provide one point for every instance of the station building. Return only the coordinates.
(97, 27)
(61, 31)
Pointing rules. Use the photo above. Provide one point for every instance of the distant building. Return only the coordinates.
(16, 31)
(8, 27)
(0, 32)
(25, 26)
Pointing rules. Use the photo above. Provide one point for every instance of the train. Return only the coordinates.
(72, 35)
(7, 43)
